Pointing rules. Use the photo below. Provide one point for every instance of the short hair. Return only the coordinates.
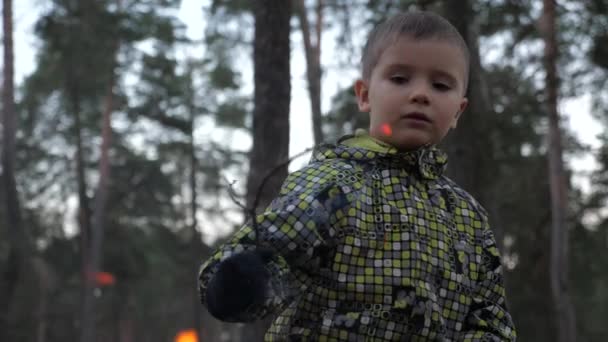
(417, 25)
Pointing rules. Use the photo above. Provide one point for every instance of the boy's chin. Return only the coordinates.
(407, 140)
(410, 147)
(406, 144)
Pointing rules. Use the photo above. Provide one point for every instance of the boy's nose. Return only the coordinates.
(419, 95)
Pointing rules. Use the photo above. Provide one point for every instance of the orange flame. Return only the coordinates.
(187, 336)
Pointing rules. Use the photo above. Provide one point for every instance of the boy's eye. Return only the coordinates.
(398, 79)
(441, 86)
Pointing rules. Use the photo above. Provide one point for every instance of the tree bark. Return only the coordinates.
(97, 227)
(19, 249)
(312, 52)
(195, 239)
(467, 165)
(565, 317)
(98, 219)
(84, 210)
(271, 56)
(126, 314)
(467, 160)
(22, 256)
(47, 282)
(474, 168)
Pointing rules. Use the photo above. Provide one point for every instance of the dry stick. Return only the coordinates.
(233, 194)
(251, 212)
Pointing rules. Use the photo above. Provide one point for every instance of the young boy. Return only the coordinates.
(370, 242)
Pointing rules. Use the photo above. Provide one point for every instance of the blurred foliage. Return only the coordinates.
(167, 102)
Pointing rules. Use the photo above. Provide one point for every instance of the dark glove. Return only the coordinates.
(240, 282)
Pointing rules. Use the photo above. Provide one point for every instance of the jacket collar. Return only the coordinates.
(429, 161)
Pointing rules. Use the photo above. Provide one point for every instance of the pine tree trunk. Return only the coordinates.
(46, 284)
(84, 211)
(195, 239)
(466, 164)
(312, 53)
(472, 167)
(98, 219)
(126, 315)
(42, 315)
(98, 222)
(271, 55)
(565, 319)
(18, 253)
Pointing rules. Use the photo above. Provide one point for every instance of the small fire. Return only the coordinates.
(387, 130)
(187, 336)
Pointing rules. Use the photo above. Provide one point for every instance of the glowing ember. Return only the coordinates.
(104, 279)
(187, 336)
(387, 130)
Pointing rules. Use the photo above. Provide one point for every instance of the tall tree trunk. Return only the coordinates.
(469, 165)
(47, 282)
(98, 219)
(84, 210)
(312, 51)
(126, 314)
(97, 227)
(473, 168)
(195, 239)
(271, 56)
(18, 240)
(466, 159)
(42, 315)
(565, 317)
(94, 257)
(21, 255)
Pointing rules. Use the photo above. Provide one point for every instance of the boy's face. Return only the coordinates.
(415, 93)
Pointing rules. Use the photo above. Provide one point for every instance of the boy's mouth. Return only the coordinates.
(416, 116)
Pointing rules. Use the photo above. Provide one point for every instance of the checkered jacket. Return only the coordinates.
(372, 244)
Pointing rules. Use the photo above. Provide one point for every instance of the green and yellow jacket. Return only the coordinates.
(372, 244)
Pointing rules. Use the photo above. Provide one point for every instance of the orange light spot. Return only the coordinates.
(187, 336)
(387, 130)
(104, 279)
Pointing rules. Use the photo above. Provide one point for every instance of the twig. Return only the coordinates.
(251, 212)
(233, 194)
(273, 171)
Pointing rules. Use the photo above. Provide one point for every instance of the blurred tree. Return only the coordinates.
(564, 312)
(20, 263)
(343, 117)
(172, 124)
(312, 52)
(92, 253)
(18, 249)
(589, 240)
(68, 31)
(272, 96)
(46, 93)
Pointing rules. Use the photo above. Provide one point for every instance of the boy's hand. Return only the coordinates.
(240, 282)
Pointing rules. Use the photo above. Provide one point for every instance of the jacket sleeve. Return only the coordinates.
(488, 318)
(298, 228)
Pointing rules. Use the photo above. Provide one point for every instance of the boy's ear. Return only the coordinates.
(463, 106)
(362, 92)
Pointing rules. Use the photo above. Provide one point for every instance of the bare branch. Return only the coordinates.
(251, 212)
(233, 195)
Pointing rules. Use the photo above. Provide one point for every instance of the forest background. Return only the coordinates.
(132, 130)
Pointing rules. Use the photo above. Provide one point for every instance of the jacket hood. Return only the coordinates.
(430, 162)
